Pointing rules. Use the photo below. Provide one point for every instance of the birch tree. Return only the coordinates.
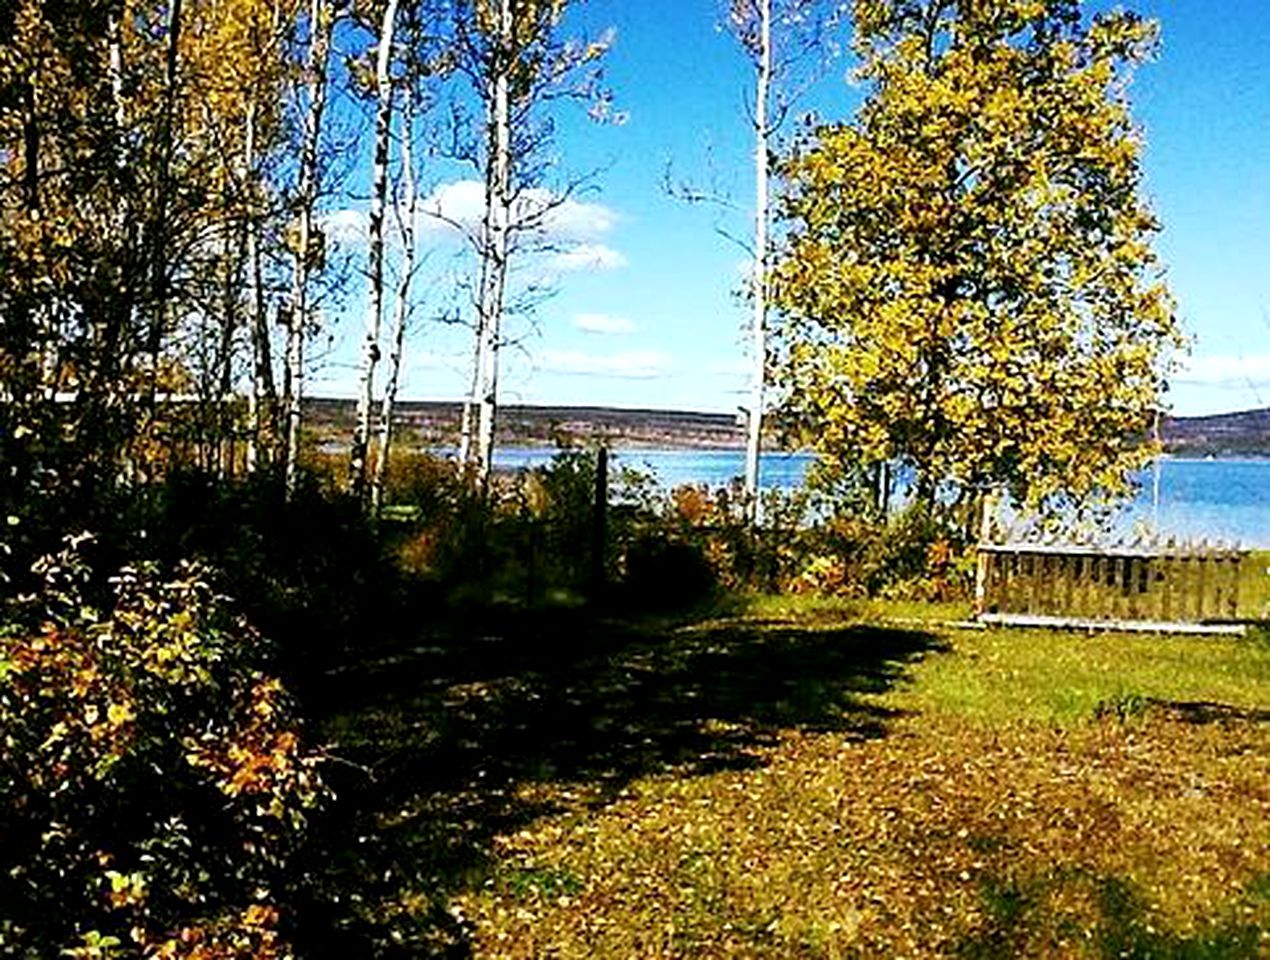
(778, 36)
(237, 70)
(103, 201)
(517, 61)
(262, 127)
(370, 351)
(307, 252)
(406, 208)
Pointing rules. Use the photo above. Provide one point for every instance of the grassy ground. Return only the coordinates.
(806, 780)
(1254, 585)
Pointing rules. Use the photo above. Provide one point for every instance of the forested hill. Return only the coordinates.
(1228, 434)
(437, 423)
(1246, 433)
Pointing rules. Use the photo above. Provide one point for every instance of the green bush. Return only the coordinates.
(810, 543)
(530, 531)
(665, 574)
(153, 783)
(311, 573)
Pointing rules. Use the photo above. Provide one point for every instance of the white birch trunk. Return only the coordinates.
(115, 39)
(320, 23)
(468, 416)
(407, 220)
(758, 332)
(494, 246)
(261, 361)
(379, 192)
(159, 240)
(225, 420)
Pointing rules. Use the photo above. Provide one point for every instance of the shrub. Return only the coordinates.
(809, 543)
(530, 530)
(663, 573)
(311, 573)
(153, 783)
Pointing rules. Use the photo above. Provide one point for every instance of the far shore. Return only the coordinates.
(432, 424)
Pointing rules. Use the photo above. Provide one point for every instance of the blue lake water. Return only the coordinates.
(1217, 499)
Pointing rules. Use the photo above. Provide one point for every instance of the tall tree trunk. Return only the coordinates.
(114, 37)
(159, 266)
(45, 331)
(31, 144)
(224, 387)
(320, 23)
(402, 305)
(758, 332)
(494, 245)
(468, 417)
(263, 395)
(378, 200)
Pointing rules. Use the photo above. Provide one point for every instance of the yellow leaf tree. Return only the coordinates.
(968, 287)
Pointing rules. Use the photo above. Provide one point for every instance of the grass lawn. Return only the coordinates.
(811, 780)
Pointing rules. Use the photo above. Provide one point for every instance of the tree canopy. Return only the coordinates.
(969, 286)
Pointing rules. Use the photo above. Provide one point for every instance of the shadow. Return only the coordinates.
(1202, 712)
(1019, 919)
(445, 746)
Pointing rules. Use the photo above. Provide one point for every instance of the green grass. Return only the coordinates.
(1254, 586)
(793, 777)
(809, 608)
(997, 676)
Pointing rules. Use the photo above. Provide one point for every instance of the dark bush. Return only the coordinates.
(666, 574)
(310, 572)
(153, 783)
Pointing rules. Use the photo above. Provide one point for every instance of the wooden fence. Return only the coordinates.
(1153, 587)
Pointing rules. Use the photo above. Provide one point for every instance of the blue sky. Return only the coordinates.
(645, 311)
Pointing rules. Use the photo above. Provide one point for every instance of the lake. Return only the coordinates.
(1217, 499)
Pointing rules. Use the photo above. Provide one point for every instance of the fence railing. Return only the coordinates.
(1142, 584)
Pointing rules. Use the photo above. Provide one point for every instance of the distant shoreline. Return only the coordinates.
(1240, 435)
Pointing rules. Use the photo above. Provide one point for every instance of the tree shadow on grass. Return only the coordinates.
(440, 746)
(1019, 919)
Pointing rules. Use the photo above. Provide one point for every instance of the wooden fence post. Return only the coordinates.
(981, 558)
(599, 521)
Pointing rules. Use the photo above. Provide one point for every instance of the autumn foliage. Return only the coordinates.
(153, 781)
(968, 285)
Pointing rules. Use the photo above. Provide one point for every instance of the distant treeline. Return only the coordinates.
(436, 423)
(1246, 434)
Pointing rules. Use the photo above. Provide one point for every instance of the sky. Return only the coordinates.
(644, 309)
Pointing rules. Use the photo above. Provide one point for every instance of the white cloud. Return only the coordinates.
(344, 226)
(1227, 371)
(461, 204)
(452, 207)
(631, 365)
(587, 256)
(570, 219)
(602, 323)
(569, 227)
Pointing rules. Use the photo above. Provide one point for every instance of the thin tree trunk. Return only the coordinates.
(159, 266)
(115, 39)
(262, 393)
(494, 246)
(224, 418)
(378, 200)
(31, 144)
(320, 23)
(401, 307)
(754, 431)
(108, 332)
(45, 332)
(468, 417)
